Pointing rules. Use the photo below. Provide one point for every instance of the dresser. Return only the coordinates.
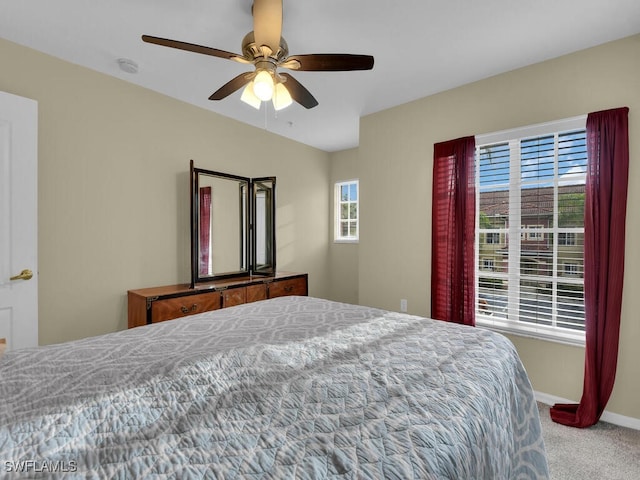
(157, 304)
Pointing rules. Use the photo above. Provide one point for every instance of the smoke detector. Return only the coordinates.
(127, 65)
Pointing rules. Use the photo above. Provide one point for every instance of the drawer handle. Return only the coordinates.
(193, 308)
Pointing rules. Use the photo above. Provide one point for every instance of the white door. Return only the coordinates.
(18, 221)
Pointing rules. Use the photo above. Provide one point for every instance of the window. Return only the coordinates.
(488, 264)
(534, 233)
(571, 269)
(492, 238)
(566, 239)
(530, 188)
(347, 212)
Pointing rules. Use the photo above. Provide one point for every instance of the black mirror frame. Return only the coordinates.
(269, 268)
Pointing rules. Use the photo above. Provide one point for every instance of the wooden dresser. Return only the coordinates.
(157, 304)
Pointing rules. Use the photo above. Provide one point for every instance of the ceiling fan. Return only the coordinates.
(265, 48)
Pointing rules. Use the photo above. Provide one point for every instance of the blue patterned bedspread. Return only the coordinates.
(293, 387)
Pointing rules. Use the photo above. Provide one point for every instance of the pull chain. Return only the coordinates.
(266, 107)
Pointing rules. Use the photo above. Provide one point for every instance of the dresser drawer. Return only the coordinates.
(256, 292)
(294, 286)
(234, 296)
(171, 308)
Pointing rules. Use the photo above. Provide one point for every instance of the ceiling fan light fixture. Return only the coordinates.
(267, 51)
(263, 85)
(281, 98)
(249, 97)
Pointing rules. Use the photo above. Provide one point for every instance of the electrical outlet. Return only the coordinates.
(403, 305)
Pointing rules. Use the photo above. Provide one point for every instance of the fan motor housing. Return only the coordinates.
(252, 51)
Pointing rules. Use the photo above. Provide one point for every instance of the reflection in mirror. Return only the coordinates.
(264, 225)
(205, 265)
(261, 199)
(221, 225)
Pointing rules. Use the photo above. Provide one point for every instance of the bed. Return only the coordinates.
(293, 387)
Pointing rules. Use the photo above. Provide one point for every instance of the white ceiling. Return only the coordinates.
(420, 47)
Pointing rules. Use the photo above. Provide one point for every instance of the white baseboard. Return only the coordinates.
(609, 417)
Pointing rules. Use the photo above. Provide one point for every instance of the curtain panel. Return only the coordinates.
(453, 231)
(205, 230)
(604, 243)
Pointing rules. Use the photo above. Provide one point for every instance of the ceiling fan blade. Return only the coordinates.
(298, 92)
(267, 23)
(332, 62)
(190, 47)
(231, 86)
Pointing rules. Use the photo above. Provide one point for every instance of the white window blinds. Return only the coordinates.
(530, 226)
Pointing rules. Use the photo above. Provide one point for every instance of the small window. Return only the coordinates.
(566, 239)
(347, 211)
(488, 264)
(534, 233)
(493, 238)
(571, 269)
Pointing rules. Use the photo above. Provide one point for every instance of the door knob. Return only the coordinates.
(25, 274)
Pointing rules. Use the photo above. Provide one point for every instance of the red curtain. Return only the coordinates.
(453, 231)
(604, 228)
(205, 230)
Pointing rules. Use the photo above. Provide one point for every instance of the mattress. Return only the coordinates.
(292, 387)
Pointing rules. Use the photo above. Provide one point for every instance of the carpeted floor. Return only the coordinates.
(601, 452)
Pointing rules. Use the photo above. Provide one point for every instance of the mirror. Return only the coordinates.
(264, 212)
(232, 225)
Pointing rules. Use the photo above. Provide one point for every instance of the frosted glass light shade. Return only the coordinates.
(263, 85)
(282, 98)
(249, 97)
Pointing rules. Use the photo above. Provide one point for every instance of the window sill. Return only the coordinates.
(341, 240)
(538, 332)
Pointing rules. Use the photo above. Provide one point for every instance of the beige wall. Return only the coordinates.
(114, 189)
(343, 257)
(395, 168)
